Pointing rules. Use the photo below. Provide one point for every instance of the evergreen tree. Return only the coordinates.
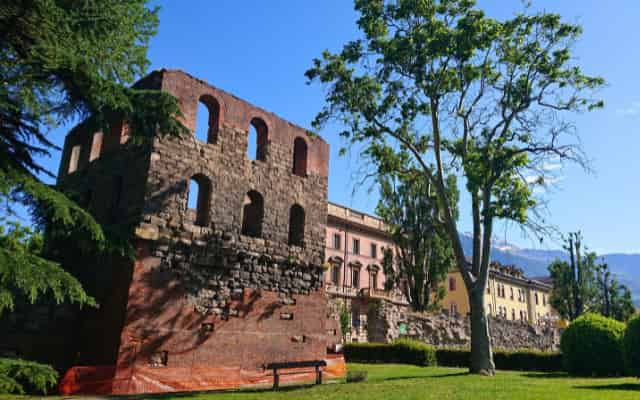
(61, 61)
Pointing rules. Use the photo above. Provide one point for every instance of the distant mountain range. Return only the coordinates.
(626, 267)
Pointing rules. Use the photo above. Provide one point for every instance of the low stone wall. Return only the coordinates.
(445, 330)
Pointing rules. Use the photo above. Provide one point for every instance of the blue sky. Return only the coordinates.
(259, 51)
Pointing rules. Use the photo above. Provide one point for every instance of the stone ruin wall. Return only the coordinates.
(384, 319)
(202, 294)
(444, 330)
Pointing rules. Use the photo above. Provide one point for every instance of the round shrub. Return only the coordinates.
(632, 345)
(593, 346)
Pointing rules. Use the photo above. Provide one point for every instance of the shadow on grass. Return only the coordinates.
(399, 378)
(175, 395)
(547, 375)
(621, 386)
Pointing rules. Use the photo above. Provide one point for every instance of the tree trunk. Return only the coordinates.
(481, 353)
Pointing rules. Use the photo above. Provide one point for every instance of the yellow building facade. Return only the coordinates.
(510, 295)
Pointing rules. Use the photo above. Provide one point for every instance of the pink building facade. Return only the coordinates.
(354, 276)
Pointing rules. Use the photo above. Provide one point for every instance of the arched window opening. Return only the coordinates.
(300, 157)
(96, 146)
(74, 158)
(207, 119)
(252, 214)
(257, 141)
(296, 226)
(198, 200)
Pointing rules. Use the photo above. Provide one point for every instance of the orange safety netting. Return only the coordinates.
(146, 379)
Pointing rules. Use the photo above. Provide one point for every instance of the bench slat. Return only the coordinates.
(296, 364)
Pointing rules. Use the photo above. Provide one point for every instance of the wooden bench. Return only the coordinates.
(296, 364)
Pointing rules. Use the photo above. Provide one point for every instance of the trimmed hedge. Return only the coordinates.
(632, 346)
(593, 346)
(419, 353)
(401, 352)
(516, 360)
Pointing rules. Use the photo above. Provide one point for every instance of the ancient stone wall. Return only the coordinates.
(229, 286)
(390, 322)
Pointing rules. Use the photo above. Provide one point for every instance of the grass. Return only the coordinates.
(399, 382)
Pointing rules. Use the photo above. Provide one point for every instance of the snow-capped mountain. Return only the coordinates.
(535, 262)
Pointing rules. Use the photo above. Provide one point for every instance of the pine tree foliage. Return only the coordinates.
(20, 377)
(24, 270)
(61, 61)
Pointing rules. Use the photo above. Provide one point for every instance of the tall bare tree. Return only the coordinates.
(438, 88)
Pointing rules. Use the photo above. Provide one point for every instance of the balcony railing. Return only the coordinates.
(390, 295)
(371, 293)
(342, 290)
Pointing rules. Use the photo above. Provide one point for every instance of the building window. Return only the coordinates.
(300, 157)
(296, 226)
(355, 277)
(452, 284)
(356, 246)
(374, 250)
(374, 279)
(198, 199)
(488, 289)
(536, 296)
(544, 300)
(258, 139)
(511, 297)
(453, 308)
(252, 214)
(74, 159)
(513, 314)
(208, 119)
(335, 275)
(96, 146)
(337, 241)
(355, 319)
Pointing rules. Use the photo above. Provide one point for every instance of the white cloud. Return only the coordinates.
(551, 166)
(540, 184)
(630, 111)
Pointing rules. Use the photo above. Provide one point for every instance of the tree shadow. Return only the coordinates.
(619, 386)
(399, 378)
(546, 375)
(192, 394)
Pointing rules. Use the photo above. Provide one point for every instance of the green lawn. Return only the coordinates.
(397, 382)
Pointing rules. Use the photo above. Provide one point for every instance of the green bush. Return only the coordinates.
(401, 351)
(419, 353)
(593, 346)
(517, 360)
(20, 377)
(528, 360)
(453, 357)
(632, 346)
(356, 376)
